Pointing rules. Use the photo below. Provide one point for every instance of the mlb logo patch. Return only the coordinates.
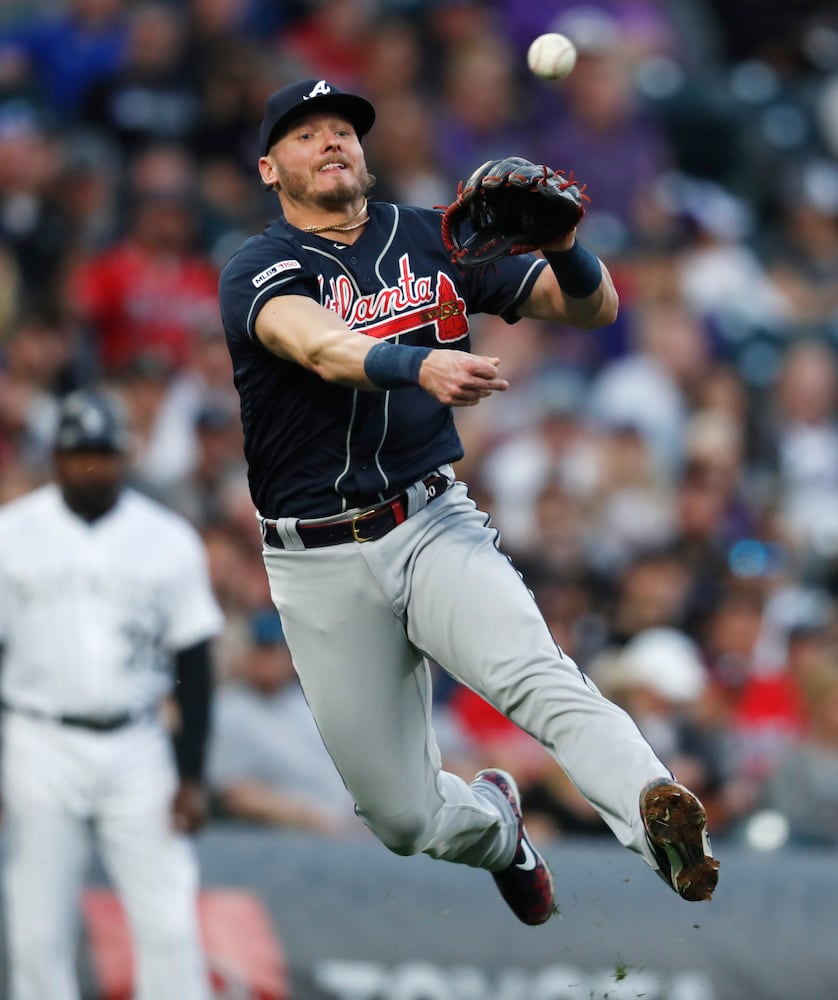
(274, 270)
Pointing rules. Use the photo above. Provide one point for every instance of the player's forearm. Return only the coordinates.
(193, 695)
(299, 329)
(597, 310)
(590, 299)
(576, 289)
(353, 359)
(341, 356)
(335, 354)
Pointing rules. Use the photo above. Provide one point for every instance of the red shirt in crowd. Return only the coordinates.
(137, 303)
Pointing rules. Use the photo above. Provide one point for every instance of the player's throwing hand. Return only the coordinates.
(459, 379)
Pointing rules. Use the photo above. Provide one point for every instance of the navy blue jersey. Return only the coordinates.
(315, 448)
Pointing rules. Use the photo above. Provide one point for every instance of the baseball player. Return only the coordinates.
(101, 590)
(348, 326)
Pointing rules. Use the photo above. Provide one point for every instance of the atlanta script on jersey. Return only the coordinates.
(369, 444)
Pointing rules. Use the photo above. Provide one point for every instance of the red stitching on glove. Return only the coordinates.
(570, 182)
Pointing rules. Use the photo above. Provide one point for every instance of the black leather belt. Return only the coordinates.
(100, 724)
(366, 526)
(97, 723)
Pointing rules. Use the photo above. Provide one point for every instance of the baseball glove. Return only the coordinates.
(510, 206)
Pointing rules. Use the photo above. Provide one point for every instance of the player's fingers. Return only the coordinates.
(486, 385)
(469, 396)
(486, 369)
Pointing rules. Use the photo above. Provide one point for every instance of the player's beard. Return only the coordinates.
(91, 500)
(300, 189)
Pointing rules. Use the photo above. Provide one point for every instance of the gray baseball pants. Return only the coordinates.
(361, 619)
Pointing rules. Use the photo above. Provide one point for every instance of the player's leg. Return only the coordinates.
(369, 691)
(470, 609)
(153, 867)
(45, 852)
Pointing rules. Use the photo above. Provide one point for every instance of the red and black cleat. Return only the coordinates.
(526, 884)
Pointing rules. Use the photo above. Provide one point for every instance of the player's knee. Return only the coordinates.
(404, 834)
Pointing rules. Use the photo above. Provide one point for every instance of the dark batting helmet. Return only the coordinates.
(91, 421)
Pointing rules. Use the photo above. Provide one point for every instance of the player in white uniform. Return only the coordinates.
(104, 599)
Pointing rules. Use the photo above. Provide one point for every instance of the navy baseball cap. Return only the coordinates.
(297, 99)
(91, 421)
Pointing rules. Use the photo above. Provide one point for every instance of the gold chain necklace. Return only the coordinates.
(340, 227)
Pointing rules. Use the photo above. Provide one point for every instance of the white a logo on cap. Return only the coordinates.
(320, 88)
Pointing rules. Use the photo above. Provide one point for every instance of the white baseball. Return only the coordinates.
(551, 56)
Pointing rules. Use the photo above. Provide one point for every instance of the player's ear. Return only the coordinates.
(268, 173)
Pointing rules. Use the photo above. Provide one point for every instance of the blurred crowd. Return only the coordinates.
(668, 487)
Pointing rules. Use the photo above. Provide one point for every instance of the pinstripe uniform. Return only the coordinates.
(89, 613)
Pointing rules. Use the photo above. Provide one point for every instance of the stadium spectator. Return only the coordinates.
(32, 222)
(162, 454)
(660, 679)
(478, 115)
(602, 130)
(153, 290)
(772, 714)
(35, 356)
(400, 149)
(553, 447)
(395, 64)
(239, 589)
(632, 508)
(513, 412)
(802, 255)
(717, 257)
(267, 762)
(651, 590)
(329, 40)
(801, 413)
(650, 387)
(89, 185)
(57, 54)
(178, 413)
(804, 785)
(201, 495)
(150, 97)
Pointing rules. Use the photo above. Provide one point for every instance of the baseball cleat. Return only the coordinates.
(676, 831)
(526, 883)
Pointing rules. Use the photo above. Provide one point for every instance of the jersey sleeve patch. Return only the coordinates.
(271, 272)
